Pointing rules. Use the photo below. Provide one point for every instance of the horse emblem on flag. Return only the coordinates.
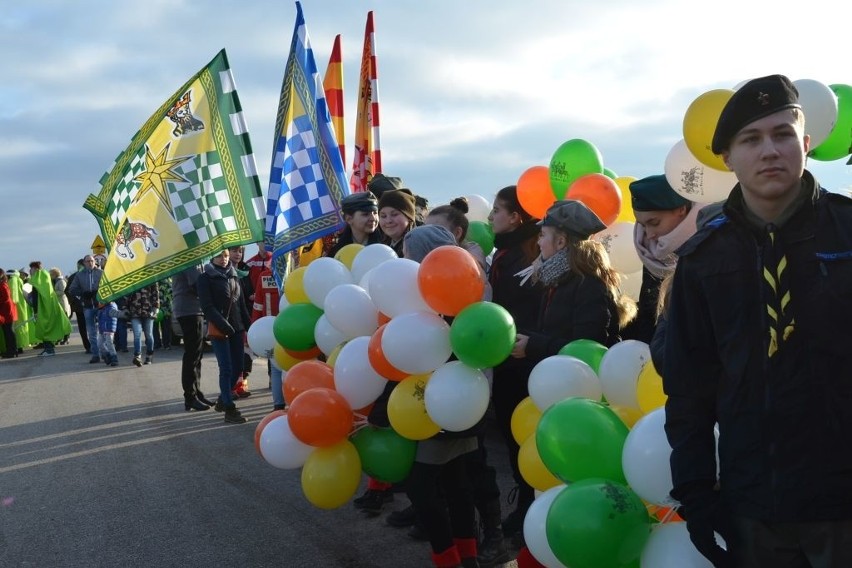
(130, 232)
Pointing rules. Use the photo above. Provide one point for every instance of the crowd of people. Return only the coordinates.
(744, 305)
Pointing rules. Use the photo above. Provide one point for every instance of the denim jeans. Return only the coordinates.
(91, 315)
(138, 325)
(229, 356)
(276, 385)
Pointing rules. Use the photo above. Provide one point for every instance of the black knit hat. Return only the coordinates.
(400, 199)
(360, 201)
(574, 218)
(755, 100)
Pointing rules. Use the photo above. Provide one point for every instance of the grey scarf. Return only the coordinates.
(549, 271)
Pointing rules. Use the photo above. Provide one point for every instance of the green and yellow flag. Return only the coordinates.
(185, 188)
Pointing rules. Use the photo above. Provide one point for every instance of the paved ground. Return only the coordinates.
(102, 466)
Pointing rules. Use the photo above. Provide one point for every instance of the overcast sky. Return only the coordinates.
(472, 92)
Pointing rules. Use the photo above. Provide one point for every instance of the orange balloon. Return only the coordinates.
(377, 358)
(320, 417)
(304, 355)
(307, 375)
(383, 319)
(599, 193)
(534, 192)
(266, 420)
(449, 280)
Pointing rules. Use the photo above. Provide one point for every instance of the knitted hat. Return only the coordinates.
(422, 240)
(381, 183)
(400, 199)
(755, 100)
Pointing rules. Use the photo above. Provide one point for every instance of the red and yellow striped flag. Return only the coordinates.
(368, 156)
(332, 84)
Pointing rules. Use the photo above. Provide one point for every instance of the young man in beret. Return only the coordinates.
(758, 342)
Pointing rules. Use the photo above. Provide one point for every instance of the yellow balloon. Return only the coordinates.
(533, 469)
(524, 420)
(407, 409)
(348, 253)
(332, 357)
(284, 359)
(649, 389)
(627, 415)
(331, 475)
(626, 213)
(699, 124)
(294, 288)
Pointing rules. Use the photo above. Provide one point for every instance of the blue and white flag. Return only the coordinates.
(307, 179)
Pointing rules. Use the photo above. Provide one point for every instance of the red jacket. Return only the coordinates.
(8, 309)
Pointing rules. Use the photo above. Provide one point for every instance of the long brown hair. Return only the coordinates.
(589, 258)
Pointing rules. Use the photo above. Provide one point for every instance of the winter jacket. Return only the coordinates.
(221, 299)
(143, 303)
(784, 421)
(84, 288)
(108, 318)
(8, 310)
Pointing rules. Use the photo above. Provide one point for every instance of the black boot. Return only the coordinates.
(233, 416)
(194, 404)
(492, 550)
(200, 396)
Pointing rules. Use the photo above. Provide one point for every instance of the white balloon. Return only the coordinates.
(535, 528)
(260, 337)
(321, 276)
(365, 281)
(349, 308)
(354, 377)
(695, 181)
(283, 302)
(417, 342)
(645, 459)
(559, 377)
(456, 396)
(631, 284)
(669, 547)
(280, 448)
(619, 371)
(478, 208)
(327, 336)
(617, 239)
(819, 104)
(370, 257)
(394, 288)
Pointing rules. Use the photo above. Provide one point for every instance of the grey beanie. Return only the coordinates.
(422, 240)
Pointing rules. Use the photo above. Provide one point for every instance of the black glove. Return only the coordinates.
(705, 514)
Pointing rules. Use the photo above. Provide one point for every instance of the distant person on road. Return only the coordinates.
(187, 309)
(8, 317)
(107, 323)
(51, 323)
(85, 290)
(142, 306)
(77, 306)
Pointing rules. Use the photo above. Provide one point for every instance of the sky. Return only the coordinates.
(472, 92)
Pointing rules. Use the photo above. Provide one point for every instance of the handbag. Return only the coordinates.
(213, 332)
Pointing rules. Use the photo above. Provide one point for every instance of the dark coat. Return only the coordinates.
(221, 299)
(578, 307)
(345, 238)
(785, 422)
(641, 328)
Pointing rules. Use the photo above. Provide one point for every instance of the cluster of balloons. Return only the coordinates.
(592, 440)
(378, 320)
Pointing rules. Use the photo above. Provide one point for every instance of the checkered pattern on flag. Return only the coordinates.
(184, 189)
(306, 181)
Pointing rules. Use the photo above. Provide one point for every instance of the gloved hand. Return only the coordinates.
(705, 514)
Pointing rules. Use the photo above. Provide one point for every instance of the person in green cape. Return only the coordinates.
(22, 326)
(51, 322)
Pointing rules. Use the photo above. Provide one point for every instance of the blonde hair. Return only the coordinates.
(55, 273)
(589, 258)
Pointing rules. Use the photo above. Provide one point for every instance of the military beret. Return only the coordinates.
(654, 193)
(755, 100)
(574, 218)
(400, 199)
(381, 183)
(360, 201)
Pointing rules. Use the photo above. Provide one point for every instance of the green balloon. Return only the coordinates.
(482, 234)
(294, 326)
(588, 351)
(482, 335)
(578, 439)
(597, 523)
(385, 455)
(609, 173)
(573, 159)
(839, 142)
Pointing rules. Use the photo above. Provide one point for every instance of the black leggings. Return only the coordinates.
(448, 518)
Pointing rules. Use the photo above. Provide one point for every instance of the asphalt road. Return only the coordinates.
(102, 466)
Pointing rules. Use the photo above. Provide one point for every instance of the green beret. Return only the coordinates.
(574, 218)
(755, 100)
(654, 193)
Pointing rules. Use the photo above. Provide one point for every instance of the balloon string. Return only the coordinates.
(669, 515)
